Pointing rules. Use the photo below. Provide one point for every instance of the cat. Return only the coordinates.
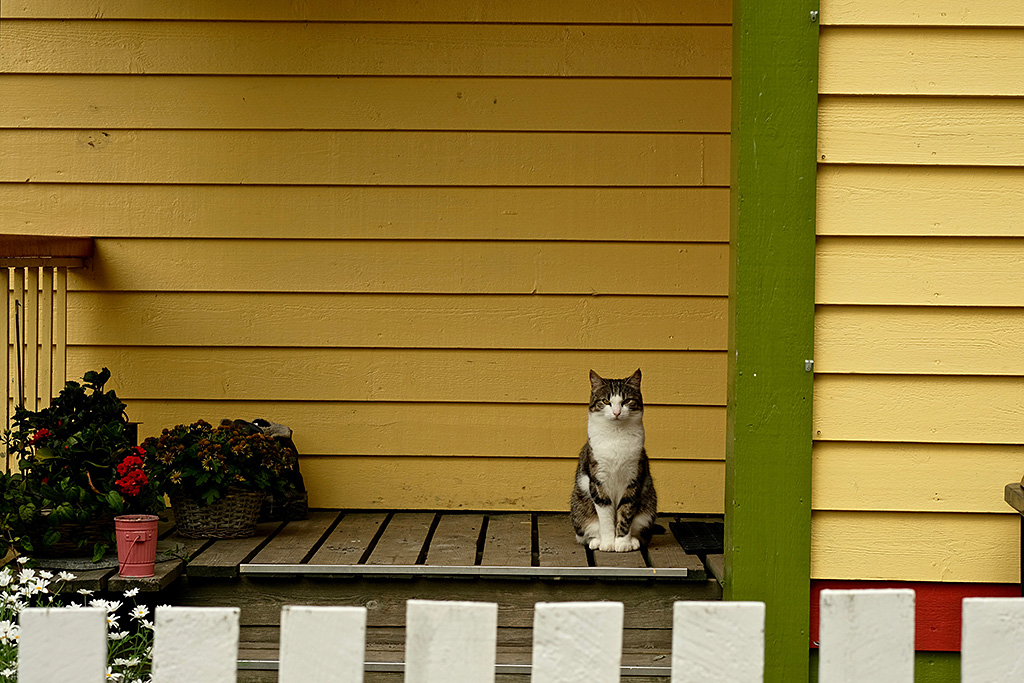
(613, 504)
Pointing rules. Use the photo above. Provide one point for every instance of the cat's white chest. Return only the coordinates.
(616, 447)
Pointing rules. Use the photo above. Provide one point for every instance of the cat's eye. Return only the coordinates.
(606, 401)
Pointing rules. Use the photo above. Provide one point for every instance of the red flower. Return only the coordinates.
(39, 436)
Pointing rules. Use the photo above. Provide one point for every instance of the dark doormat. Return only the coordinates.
(699, 537)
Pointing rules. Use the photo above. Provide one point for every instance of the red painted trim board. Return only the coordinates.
(938, 609)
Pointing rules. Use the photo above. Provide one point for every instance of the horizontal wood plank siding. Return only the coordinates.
(455, 11)
(919, 380)
(406, 231)
(365, 48)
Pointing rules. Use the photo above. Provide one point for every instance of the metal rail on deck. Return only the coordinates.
(460, 571)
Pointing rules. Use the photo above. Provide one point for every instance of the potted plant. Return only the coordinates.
(217, 477)
(136, 529)
(63, 499)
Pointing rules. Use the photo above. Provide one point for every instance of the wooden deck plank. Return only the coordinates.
(556, 542)
(630, 560)
(665, 551)
(91, 579)
(164, 574)
(296, 539)
(509, 540)
(221, 559)
(403, 539)
(351, 539)
(455, 540)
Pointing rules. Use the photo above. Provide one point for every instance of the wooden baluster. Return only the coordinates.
(47, 315)
(992, 640)
(62, 645)
(60, 329)
(866, 635)
(577, 642)
(322, 644)
(31, 347)
(195, 645)
(718, 642)
(450, 641)
(17, 339)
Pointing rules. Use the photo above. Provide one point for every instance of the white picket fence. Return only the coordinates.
(866, 636)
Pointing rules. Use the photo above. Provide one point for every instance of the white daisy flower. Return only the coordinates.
(9, 672)
(23, 559)
(66, 576)
(8, 631)
(112, 621)
(113, 675)
(100, 602)
(130, 661)
(117, 635)
(45, 574)
(5, 576)
(26, 575)
(111, 606)
(140, 612)
(131, 592)
(85, 591)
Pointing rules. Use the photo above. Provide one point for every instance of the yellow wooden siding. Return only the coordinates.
(368, 103)
(402, 320)
(890, 546)
(406, 231)
(952, 271)
(922, 61)
(642, 214)
(946, 477)
(471, 11)
(403, 266)
(923, 12)
(919, 387)
(365, 48)
(920, 200)
(354, 157)
(389, 428)
(490, 483)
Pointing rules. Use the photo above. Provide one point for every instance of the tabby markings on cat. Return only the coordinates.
(614, 506)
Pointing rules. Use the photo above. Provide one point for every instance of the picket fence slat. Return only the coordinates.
(450, 641)
(718, 642)
(322, 644)
(866, 635)
(992, 640)
(80, 654)
(577, 642)
(195, 644)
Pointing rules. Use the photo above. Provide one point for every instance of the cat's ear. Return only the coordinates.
(634, 380)
(595, 380)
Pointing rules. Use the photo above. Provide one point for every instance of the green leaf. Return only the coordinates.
(51, 536)
(98, 551)
(115, 501)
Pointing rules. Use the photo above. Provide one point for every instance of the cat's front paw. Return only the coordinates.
(625, 544)
(607, 546)
(595, 544)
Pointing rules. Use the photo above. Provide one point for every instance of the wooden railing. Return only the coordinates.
(865, 636)
(35, 270)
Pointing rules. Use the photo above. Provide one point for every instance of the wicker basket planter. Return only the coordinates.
(72, 535)
(233, 516)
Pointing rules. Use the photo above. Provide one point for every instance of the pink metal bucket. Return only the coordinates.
(136, 544)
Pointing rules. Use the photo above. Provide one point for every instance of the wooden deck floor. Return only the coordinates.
(381, 559)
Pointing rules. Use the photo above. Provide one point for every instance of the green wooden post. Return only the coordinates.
(771, 322)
